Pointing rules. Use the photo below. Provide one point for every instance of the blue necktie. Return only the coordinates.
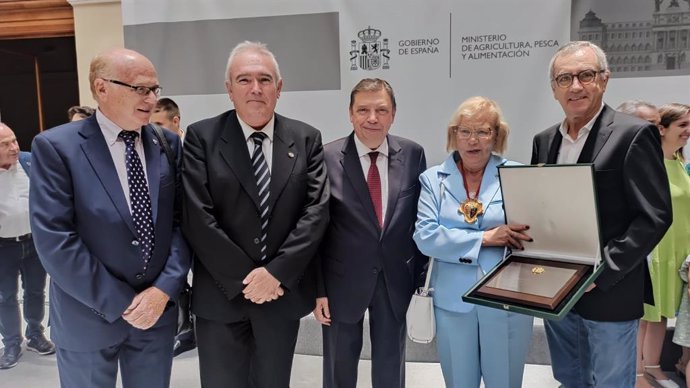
(140, 201)
(263, 179)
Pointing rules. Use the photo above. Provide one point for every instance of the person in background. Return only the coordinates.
(369, 260)
(652, 330)
(641, 109)
(594, 345)
(77, 113)
(461, 224)
(167, 115)
(674, 249)
(18, 257)
(105, 221)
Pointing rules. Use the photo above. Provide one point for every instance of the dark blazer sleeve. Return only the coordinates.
(211, 244)
(174, 274)
(63, 253)
(300, 247)
(647, 193)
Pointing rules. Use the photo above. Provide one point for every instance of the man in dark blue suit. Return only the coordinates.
(368, 258)
(105, 224)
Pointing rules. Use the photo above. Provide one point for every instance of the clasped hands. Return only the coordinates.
(261, 286)
(146, 308)
(509, 235)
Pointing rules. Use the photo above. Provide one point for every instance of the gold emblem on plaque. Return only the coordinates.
(538, 270)
(471, 208)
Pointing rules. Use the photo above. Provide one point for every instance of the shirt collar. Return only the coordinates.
(109, 129)
(363, 150)
(267, 129)
(563, 129)
(13, 167)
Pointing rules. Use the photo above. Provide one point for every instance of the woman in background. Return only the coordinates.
(670, 291)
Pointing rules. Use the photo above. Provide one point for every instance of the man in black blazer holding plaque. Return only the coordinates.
(594, 345)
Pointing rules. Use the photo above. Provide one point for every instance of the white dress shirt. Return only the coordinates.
(266, 146)
(381, 163)
(14, 203)
(572, 148)
(117, 148)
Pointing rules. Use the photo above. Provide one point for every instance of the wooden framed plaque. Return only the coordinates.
(533, 282)
(563, 258)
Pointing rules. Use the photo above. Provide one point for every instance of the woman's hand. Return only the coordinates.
(510, 235)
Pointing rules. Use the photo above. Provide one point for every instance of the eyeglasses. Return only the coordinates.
(138, 89)
(585, 77)
(466, 133)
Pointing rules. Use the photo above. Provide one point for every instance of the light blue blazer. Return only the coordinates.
(442, 233)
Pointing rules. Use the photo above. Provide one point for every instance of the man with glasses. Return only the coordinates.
(594, 345)
(105, 225)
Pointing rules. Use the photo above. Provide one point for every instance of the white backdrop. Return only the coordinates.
(455, 49)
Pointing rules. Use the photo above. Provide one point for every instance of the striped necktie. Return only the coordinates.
(263, 180)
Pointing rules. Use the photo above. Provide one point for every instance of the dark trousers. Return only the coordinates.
(342, 346)
(256, 352)
(19, 259)
(144, 357)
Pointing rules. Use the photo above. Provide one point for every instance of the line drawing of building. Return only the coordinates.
(643, 48)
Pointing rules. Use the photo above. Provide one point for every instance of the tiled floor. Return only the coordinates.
(34, 371)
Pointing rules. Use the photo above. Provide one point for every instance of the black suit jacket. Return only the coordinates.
(221, 215)
(634, 207)
(355, 248)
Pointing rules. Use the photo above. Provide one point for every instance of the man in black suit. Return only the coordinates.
(594, 345)
(368, 258)
(256, 207)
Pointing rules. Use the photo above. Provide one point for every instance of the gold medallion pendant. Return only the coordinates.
(471, 208)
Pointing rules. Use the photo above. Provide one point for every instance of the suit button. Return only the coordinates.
(375, 271)
(135, 243)
(257, 241)
(139, 276)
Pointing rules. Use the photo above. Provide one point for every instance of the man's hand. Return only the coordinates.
(322, 312)
(261, 286)
(146, 308)
(590, 287)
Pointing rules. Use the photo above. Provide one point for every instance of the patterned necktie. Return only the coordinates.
(140, 201)
(263, 180)
(374, 183)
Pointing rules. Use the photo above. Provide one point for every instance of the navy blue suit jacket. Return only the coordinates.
(85, 236)
(355, 248)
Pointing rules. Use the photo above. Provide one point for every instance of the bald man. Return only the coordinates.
(106, 229)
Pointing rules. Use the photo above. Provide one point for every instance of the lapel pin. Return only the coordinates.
(291, 155)
(155, 141)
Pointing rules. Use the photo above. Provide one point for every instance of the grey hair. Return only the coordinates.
(256, 47)
(632, 106)
(575, 46)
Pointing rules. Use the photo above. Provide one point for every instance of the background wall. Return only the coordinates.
(435, 54)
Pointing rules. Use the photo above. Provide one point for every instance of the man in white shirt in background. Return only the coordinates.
(18, 257)
(167, 115)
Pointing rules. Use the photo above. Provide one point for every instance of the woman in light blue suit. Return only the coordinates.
(460, 223)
